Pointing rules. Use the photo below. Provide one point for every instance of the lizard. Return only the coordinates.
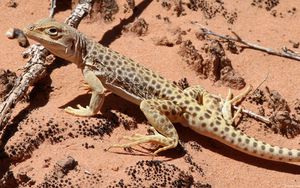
(162, 102)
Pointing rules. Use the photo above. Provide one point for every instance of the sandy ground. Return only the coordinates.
(46, 135)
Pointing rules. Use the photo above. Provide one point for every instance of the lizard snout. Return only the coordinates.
(28, 28)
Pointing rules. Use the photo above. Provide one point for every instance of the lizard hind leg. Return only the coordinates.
(165, 134)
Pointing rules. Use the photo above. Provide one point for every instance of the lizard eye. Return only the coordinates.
(52, 31)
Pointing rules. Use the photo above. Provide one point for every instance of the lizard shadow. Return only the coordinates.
(222, 149)
(148, 152)
(7, 172)
(114, 33)
(111, 102)
(62, 5)
(114, 102)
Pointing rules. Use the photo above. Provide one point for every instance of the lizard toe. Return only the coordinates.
(81, 111)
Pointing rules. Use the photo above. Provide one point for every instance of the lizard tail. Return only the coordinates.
(247, 144)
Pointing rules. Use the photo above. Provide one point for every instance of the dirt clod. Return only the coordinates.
(258, 97)
(192, 57)
(231, 78)
(163, 41)
(174, 37)
(131, 3)
(212, 64)
(103, 9)
(139, 27)
(283, 122)
(211, 9)
(272, 104)
(276, 101)
(156, 174)
(12, 4)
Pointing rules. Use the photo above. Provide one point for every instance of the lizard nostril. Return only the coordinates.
(30, 27)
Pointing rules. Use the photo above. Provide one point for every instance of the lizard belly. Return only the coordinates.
(123, 93)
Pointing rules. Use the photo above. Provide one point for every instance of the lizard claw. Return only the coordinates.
(80, 111)
(82, 108)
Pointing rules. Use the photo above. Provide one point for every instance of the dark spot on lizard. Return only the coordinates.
(206, 115)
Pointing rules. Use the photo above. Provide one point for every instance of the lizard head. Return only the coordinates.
(60, 39)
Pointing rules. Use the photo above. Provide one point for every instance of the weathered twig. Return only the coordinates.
(35, 68)
(78, 13)
(254, 115)
(287, 53)
(34, 71)
(52, 8)
(261, 83)
(249, 113)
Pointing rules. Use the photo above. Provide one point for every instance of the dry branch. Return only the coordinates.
(83, 8)
(249, 113)
(287, 53)
(52, 8)
(35, 69)
(254, 115)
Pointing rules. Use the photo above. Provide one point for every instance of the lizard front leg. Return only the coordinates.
(203, 97)
(196, 92)
(96, 100)
(157, 113)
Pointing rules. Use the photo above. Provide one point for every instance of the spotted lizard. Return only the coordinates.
(162, 102)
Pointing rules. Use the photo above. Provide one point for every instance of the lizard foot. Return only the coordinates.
(229, 101)
(137, 139)
(79, 111)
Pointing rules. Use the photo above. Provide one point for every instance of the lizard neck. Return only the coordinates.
(79, 49)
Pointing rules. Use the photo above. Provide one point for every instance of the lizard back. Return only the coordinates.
(120, 71)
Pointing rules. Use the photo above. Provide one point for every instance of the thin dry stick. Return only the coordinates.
(35, 69)
(249, 113)
(254, 115)
(261, 83)
(284, 53)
